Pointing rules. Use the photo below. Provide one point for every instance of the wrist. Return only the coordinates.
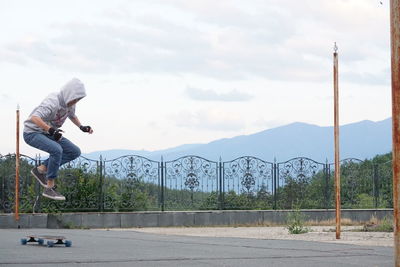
(51, 130)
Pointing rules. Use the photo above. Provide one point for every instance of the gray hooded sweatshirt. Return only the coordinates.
(53, 110)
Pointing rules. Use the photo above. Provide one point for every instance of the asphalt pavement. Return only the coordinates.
(130, 248)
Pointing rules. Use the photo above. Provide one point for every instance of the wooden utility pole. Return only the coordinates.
(395, 62)
(336, 134)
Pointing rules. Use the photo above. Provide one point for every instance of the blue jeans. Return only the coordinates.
(60, 152)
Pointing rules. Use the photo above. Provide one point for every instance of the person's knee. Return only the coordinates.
(76, 152)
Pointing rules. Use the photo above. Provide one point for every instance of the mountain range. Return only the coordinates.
(364, 139)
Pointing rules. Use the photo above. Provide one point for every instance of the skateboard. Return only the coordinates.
(52, 240)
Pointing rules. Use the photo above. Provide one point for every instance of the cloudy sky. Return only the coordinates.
(161, 73)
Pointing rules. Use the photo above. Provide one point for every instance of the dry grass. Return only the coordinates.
(332, 222)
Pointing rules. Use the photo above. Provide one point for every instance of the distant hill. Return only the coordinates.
(364, 139)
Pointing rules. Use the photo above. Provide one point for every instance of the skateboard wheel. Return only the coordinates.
(24, 241)
(41, 241)
(50, 244)
(68, 243)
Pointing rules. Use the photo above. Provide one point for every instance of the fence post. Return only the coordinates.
(375, 185)
(37, 205)
(275, 182)
(162, 185)
(2, 192)
(101, 198)
(326, 170)
(220, 193)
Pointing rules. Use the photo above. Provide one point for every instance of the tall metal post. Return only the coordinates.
(336, 132)
(375, 184)
(395, 62)
(17, 168)
(101, 184)
(220, 184)
(275, 181)
(162, 185)
(326, 173)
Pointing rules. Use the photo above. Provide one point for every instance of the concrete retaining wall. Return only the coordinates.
(179, 218)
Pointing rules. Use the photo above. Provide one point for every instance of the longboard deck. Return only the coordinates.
(51, 240)
(51, 237)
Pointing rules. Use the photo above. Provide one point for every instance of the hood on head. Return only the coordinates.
(74, 89)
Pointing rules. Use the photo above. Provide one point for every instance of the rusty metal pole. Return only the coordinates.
(395, 62)
(336, 133)
(17, 169)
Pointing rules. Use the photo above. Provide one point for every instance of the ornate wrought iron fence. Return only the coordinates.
(7, 183)
(191, 182)
(247, 183)
(28, 185)
(132, 183)
(357, 183)
(383, 181)
(78, 181)
(293, 184)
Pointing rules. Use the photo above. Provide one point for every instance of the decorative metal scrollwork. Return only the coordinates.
(299, 169)
(193, 172)
(248, 174)
(84, 164)
(293, 179)
(192, 181)
(133, 167)
(136, 183)
(351, 180)
(135, 175)
(384, 181)
(7, 183)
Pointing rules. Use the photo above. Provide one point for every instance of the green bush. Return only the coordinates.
(295, 222)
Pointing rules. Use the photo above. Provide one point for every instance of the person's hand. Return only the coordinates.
(86, 129)
(56, 133)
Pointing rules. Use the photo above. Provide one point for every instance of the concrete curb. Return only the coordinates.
(179, 218)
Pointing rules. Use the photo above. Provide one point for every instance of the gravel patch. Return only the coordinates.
(317, 233)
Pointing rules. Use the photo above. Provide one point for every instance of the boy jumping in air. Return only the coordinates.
(42, 131)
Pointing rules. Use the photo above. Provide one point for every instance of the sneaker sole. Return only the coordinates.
(54, 198)
(40, 182)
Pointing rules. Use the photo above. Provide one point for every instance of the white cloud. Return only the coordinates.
(368, 78)
(14, 57)
(4, 99)
(223, 40)
(212, 95)
(216, 120)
